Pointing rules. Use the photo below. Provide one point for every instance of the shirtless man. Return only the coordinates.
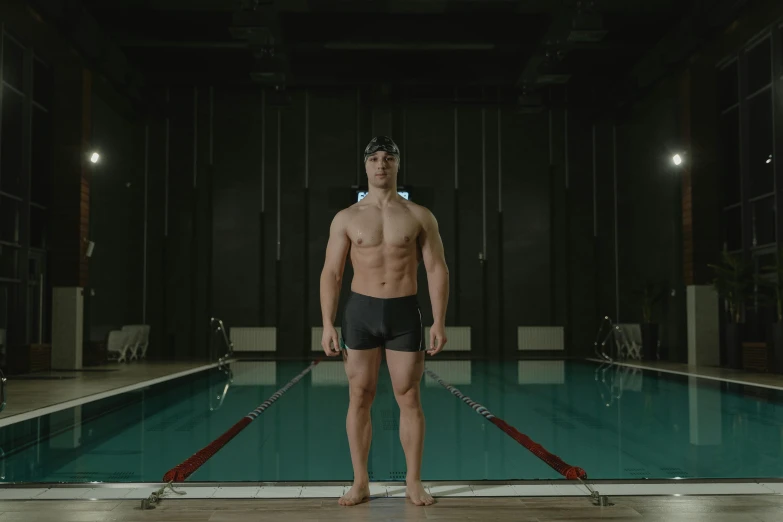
(387, 236)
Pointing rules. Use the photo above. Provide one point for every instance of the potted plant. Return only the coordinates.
(650, 294)
(734, 283)
(772, 280)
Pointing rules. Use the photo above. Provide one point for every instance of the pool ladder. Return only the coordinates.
(2, 391)
(229, 345)
(600, 350)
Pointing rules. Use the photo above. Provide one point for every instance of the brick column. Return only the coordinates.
(70, 211)
(701, 240)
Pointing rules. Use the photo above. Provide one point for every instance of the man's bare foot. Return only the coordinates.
(356, 495)
(418, 495)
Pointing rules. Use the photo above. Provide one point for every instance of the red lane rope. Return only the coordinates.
(184, 470)
(568, 471)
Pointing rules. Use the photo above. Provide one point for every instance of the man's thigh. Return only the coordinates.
(361, 368)
(405, 369)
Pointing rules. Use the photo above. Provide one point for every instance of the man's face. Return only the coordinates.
(382, 169)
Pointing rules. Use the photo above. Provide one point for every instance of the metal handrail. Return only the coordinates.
(602, 353)
(221, 362)
(2, 391)
(229, 345)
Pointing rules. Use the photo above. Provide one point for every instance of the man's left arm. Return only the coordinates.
(437, 279)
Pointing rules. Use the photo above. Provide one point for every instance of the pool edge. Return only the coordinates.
(39, 412)
(641, 366)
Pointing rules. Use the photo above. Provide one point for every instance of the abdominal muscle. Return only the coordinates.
(384, 271)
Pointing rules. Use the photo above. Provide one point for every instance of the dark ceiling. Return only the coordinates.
(511, 44)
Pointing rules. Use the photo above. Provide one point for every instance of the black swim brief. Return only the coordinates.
(372, 322)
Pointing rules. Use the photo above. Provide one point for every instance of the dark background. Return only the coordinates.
(552, 211)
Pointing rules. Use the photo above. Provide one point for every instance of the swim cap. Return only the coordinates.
(383, 143)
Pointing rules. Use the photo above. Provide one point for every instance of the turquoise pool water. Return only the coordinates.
(614, 422)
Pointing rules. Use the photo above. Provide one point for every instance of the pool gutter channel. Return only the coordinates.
(219, 484)
(149, 494)
(337, 483)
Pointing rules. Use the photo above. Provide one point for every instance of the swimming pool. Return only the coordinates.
(615, 422)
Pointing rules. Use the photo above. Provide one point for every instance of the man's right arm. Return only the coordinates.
(334, 266)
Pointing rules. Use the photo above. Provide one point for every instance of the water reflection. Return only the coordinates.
(329, 373)
(218, 397)
(613, 379)
(615, 421)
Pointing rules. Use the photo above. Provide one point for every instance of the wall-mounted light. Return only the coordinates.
(94, 157)
(677, 159)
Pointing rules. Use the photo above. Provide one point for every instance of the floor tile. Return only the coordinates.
(64, 493)
(237, 492)
(20, 493)
(279, 492)
(777, 487)
(377, 490)
(395, 491)
(494, 491)
(193, 492)
(145, 491)
(700, 489)
(108, 493)
(323, 491)
(452, 490)
(535, 490)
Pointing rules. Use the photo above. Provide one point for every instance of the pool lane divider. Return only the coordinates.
(568, 471)
(181, 472)
(555, 462)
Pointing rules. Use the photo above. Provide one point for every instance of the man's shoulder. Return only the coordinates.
(345, 214)
(347, 211)
(421, 212)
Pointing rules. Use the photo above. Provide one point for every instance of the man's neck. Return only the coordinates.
(382, 196)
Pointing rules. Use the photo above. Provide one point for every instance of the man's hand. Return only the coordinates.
(437, 338)
(330, 342)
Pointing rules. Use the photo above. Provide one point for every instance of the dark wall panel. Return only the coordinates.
(527, 226)
(201, 248)
(291, 331)
(269, 184)
(333, 161)
(179, 257)
(584, 316)
(468, 284)
(491, 285)
(639, 223)
(116, 220)
(236, 200)
(558, 215)
(649, 202)
(156, 239)
(605, 239)
(429, 157)
(543, 266)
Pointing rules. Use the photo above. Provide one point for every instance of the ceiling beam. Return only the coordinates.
(706, 20)
(257, 24)
(553, 39)
(88, 38)
(174, 44)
